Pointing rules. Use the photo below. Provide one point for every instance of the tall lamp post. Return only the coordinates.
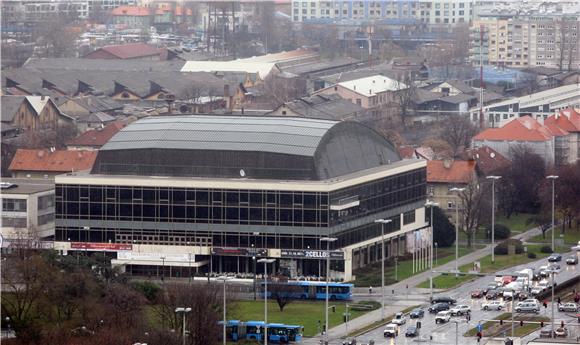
(224, 279)
(493, 178)
(382, 222)
(458, 190)
(431, 204)
(553, 178)
(163, 270)
(266, 262)
(184, 311)
(327, 240)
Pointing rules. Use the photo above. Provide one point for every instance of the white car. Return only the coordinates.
(391, 331)
(493, 305)
(577, 247)
(529, 300)
(399, 319)
(541, 287)
(569, 307)
(461, 309)
(443, 316)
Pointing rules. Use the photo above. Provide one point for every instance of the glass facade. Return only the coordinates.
(135, 214)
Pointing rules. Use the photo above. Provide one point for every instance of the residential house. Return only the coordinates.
(414, 68)
(329, 107)
(32, 113)
(49, 163)
(129, 51)
(567, 120)
(94, 139)
(91, 111)
(27, 210)
(442, 176)
(412, 152)
(370, 93)
(520, 131)
(137, 17)
(488, 161)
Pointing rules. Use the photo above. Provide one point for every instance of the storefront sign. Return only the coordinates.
(157, 257)
(311, 254)
(111, 247)
(234, 251)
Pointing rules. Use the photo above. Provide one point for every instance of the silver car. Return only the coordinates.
(569, 307)
(527, 307)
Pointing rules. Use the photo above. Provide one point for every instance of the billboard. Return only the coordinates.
(110, 247)
(235, 251)
(311, 254)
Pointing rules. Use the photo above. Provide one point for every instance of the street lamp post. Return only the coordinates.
(553, 178)
(327, 240)
(224, 279)
(436, 257)
(163, 270)
(458, 190)
(266, 262)
(431, 204)
(184, 311)
(383, 222)
(254, 263)
(553, 329)
(493, 178)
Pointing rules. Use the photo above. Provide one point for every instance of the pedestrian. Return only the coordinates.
(559, 300)
(546, 304)
(370, 290)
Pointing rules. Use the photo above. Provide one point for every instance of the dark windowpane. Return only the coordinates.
(232, 215)
(202, 213)
(179, 212)
(179, 196)
(149, 196)
(256, 199)
(202, 197)
(233, 198)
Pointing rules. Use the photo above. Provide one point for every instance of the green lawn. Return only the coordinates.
(494, 329)
(516, 223)
(371, 274)
(305, 313)
(501, 262)
(571, 237)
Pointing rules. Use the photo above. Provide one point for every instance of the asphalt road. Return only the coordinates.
(445, 333)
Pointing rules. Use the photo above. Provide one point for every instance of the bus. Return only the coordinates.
(316, 290)
(237, 330)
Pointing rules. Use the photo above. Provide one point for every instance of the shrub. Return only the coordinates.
(148, 289)
(546, 249)
(501, 232)
(532, 255)
(502, 248)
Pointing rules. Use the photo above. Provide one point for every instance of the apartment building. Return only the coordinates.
(527, 41)
(387, 11)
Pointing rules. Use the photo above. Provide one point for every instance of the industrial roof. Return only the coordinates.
(263, 68)
(10, 104)
(370, 86)
(27, 186)
(272, 134)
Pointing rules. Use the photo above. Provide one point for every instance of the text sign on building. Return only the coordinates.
(157, 257)
(233, 251)
(113, 247)
(311, 254)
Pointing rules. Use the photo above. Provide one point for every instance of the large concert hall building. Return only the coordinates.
(187, 194)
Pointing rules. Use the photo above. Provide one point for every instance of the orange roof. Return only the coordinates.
(567, 119)
(450, 172)
(520, 129)
(57, 161)
(97, 137)
(136, 11)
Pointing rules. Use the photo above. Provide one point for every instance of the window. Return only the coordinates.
(14, 205)
(45, 202)
(358, 101)
(14, 222)
(409, 217)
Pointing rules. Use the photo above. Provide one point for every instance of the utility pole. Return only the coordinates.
(493, 178)
(553, 178)
(382, 222)
(431, 204)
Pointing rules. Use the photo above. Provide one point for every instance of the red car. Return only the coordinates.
(476, 294)
(506, 280)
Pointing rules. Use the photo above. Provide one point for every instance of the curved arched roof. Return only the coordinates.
(263, 147)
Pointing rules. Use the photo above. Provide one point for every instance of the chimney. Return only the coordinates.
(42, 97)
(447, 163)
(354, 86)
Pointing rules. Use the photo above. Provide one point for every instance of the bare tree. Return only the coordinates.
(457, 131)
(283, 293)
(404, 95)
(472, 201)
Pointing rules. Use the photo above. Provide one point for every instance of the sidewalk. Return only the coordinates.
(401, 289)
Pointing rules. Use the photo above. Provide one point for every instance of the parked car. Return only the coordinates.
(461, 309)
(489, 288)
(522, 295)
(391, 331)
(435, 308)
(572, 260)
(492, 294)
(541, 287)
(443, 299)
(399, 319)
(417, 313)
(561, 332)
(555, 258)
(443, 316)
(570, 307)
(477, 294)
(527, 307)
(547, 333)
(505, 280)
(412, 331)
(493, 305)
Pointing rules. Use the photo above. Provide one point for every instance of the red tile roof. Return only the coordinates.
(567, 119)
(57, 161)
(450, 172)
(131, 50)
(406, 152)
(520, 129)
(488, 160)
(97, 137)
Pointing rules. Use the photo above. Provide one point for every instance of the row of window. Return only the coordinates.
(13, 205)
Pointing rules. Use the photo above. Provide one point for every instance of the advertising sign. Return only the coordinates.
(234, 251)
(311, 254)
(111, 247)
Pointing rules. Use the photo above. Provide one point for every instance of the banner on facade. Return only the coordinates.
(107, 247)
(234, 251)
(157, 257)
(311, 254)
